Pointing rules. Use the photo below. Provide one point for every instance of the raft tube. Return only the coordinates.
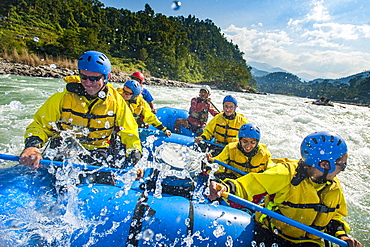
(140, 219)
(168, 117)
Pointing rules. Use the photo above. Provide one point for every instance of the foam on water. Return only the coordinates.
(284, 122)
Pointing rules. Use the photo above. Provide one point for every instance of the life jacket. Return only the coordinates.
(202, 116)
(142, 112)
(224, 130)
(92, 119)
(312, 204)
(231, 155)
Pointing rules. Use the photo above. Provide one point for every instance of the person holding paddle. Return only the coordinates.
(198, 112)
(305, 190)
(88, 111)
(247, 154)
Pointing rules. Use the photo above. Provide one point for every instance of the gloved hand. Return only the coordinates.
(134, 157)
(198, 139)
(167, 132)
(209, 157)
(72, 78)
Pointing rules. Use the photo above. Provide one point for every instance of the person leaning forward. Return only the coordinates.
(131, 93)
(91, 110)
(307, 191)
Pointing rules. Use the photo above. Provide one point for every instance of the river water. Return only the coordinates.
(284, 122)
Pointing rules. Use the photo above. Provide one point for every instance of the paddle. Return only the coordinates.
(230, 167)
(215, 107)
(283, 218)
(213, 143)
(61, 164)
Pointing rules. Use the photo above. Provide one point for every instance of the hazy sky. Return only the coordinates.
(324, 38)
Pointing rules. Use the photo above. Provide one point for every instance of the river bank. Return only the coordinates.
(52, 71)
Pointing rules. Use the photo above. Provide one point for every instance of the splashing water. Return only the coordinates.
(284, 121)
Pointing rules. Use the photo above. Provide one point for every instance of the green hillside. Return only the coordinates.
(179, 48)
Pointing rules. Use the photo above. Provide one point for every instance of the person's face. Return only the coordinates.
(92, 82)
(127, 93)
(229, 108)
(248, 143)
(340, 166)
(203, 94)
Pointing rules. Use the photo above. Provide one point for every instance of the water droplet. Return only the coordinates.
(253, 244)
(104, 211)
(149, 39)
(60, 90)
(110, 113)
(36, 39)
(148, 235)
(176, 5)
(53, 66)
(158, 237)
(101, 94)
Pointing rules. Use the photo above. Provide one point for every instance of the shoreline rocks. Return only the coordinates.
(52, 71)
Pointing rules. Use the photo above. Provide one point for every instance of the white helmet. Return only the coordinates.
(207, 88)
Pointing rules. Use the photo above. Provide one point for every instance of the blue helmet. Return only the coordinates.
(322, 145)
(96, 62)
(134, 86)
(250, 130)
(230, 98)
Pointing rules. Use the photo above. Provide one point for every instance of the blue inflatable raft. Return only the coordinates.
(169, 115)
(36, 212)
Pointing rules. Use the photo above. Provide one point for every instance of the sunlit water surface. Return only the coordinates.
(283, 120)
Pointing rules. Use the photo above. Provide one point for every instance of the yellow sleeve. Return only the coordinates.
(271, 181)
(128, 129)
(223, 157)
(149, 117)
(210, 127)
(46, 117)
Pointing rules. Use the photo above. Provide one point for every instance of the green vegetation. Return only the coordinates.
(357, 90)
(179, 48)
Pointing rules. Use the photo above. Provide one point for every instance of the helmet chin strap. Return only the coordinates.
(322, 179)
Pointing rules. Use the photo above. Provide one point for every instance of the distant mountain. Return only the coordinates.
(354, 88)
(262, 69)
(344, 80)
(265, 67)
(258, 73)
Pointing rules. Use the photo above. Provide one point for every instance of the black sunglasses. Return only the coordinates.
(91, 78)
(343, 166)
(127, 93)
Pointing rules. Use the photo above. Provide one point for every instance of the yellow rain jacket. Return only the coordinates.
(93, 120)
(309, 203)
(224, 130)
(141, 109)
(231, 155)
